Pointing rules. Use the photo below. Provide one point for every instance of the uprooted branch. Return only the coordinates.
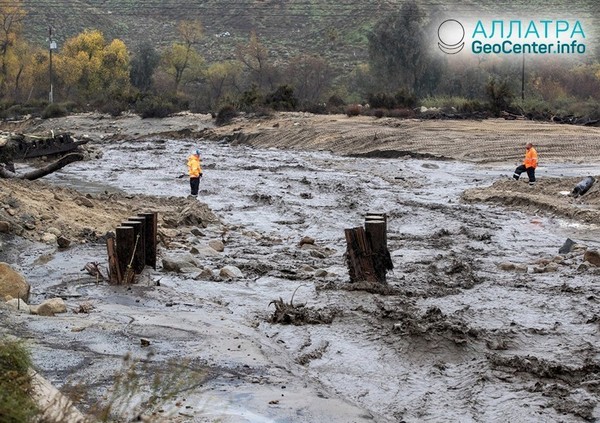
(46, 170)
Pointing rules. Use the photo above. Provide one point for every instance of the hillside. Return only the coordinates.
(330, 28)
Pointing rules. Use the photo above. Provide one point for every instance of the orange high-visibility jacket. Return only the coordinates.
(531, 158)
(194, 167)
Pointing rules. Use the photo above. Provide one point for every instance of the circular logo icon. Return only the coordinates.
(451, 35)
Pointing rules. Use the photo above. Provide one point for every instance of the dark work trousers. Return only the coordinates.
(194, 185)
(530, 172)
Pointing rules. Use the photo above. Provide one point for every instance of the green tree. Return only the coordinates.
(222, 79)
(12, 15)
(143, 64)
(91, 69)
(398, 51)
(181, 60)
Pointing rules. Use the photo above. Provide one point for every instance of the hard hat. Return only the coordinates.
(197, 152)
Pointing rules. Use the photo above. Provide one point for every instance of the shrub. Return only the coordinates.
(401, 99)
(335, 101)
(315, 108)
(499, 95)
(353, 110)
(282, 99)
(154, 107)
(403, 113)
(16, 404)
(54, 110)
(379, 113)
(225, 115)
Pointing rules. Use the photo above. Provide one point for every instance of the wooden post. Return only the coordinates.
(114, 271)
(376, 230)
(137, 249)
(151, 237)
(359, 256)
(125, 243)
(142, 243)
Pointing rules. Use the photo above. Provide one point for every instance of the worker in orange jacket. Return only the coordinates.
(529, 164)
(195, 171)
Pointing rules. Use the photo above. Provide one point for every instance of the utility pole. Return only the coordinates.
(523, 78)
(52, 46)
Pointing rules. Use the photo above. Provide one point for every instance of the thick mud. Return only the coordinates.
(481, 320)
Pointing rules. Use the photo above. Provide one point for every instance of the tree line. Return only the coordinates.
(91, 72)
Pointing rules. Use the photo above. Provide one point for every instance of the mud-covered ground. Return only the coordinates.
(483, 320)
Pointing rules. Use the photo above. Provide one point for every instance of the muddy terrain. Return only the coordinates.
(482, 318)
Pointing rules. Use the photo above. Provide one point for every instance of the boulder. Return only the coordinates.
(216, 245)
(4, 226)
(231, 272)
(205, 274)
(204, 251)
(13, 283)
(18, 304)
(197, 232)
(567, 246)
(49, 238)
(63, 242)
(54, 231)
(321, 273)
(307, 240)
(50, 307)
(507, 266)
(592, 256)
(176, 264)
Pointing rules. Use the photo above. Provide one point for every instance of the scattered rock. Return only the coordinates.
(13, 283)
(144, 342)
(507, 266)
(205, 274)
(204, 251)
(49, 238)
(50, 307)
(83, 201)
(4, 226)
(552, 267)
(521, 268)
(197, 232)
(18, 304)
(176, 264)
(583, 267)
(567, 246)
(216, 245)
(321, 273)
(231, 272)
(307, 240)
(593, 257)
(54, 231)
(63, 242)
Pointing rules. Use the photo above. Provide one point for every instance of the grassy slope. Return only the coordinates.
(331, 28)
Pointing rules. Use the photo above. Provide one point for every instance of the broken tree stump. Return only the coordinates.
(142, 242)
(367, 255)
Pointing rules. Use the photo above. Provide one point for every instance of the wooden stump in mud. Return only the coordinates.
(133, 247)
(367, 254)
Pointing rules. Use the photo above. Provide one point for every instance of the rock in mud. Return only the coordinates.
(63, 242)
(12, 283)
(48, 238)
(321, 273)
(177, 264)
(593, 257)
(567, 246)
(205, 274)
(50, 307)
(4, 226)
(216, 245)
(507, 266)
(230, 272)
(18, 304)
(307, 240)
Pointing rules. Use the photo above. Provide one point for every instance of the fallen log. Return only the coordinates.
(41, 172)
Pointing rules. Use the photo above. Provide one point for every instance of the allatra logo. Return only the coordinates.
(451, 34)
